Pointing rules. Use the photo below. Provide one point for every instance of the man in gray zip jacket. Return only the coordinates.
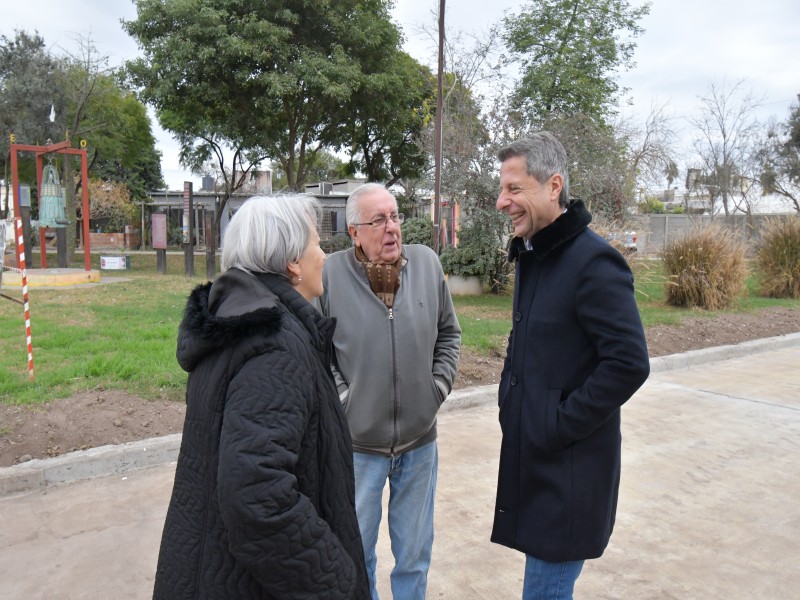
(396, 348)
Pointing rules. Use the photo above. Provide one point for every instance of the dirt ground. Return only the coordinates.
(100, 416)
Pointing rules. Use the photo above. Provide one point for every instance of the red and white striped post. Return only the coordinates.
(24, 281)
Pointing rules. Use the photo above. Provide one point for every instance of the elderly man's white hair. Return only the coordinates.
(352, 211)
(269, 232)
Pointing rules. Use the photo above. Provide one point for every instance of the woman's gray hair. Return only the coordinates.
(269, 232)
(544, 157)
(353, 212)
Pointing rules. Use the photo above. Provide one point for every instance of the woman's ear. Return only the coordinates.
(293, 268)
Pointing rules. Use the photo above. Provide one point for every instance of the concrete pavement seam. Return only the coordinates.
(121, 458)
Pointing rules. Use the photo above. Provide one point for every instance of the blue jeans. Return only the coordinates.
(412, 487)
(549, 581)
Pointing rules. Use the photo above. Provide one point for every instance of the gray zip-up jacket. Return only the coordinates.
(394, 367)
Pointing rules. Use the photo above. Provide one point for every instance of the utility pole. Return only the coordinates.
(437, 152)
(188, 229)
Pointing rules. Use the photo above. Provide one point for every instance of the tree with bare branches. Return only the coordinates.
(650, 148)
(726, 130)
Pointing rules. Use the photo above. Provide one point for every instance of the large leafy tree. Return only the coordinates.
(321, 166)
(383, 124)
(258, 79)
(240, 82)
(47, 97)
(569, 52)
(125, 152)
(98, 108)
(27, 92)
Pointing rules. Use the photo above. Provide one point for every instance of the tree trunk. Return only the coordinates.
(70, 209)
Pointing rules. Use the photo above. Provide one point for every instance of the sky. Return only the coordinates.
(687, 45)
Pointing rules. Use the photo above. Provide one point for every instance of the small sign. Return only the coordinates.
(115, 263)
(159, 221)
(24, 195)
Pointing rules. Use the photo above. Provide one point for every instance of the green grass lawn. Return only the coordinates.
(122, 335)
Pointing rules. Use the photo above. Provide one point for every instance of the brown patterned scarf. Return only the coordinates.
(384, 280)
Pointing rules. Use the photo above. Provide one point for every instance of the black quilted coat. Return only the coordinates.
(263, 502)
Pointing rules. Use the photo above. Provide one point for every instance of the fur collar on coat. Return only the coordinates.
(239, 305)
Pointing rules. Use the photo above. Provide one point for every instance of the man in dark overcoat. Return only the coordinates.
(576, 354)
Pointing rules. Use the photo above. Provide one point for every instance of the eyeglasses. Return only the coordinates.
(380, 222)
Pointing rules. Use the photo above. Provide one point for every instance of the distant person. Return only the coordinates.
(263, 503)
(576, 353)
(396, 349)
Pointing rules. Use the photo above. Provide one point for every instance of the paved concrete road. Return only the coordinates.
(708, 508)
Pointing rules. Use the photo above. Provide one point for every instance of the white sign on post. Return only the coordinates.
(117, 263)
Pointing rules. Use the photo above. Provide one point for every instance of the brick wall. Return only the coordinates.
(114, 241)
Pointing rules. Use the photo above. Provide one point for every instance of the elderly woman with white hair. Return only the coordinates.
(263, 502)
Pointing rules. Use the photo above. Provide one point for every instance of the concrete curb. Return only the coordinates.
(122, 458)
(88, 464)
(695, 358)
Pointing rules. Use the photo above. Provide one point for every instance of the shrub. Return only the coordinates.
(705, 268)
(480, 251)
(418, 230)
(778, 258)
(464, 261)
(652, 206)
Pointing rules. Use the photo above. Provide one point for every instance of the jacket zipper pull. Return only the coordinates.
(391, 314)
